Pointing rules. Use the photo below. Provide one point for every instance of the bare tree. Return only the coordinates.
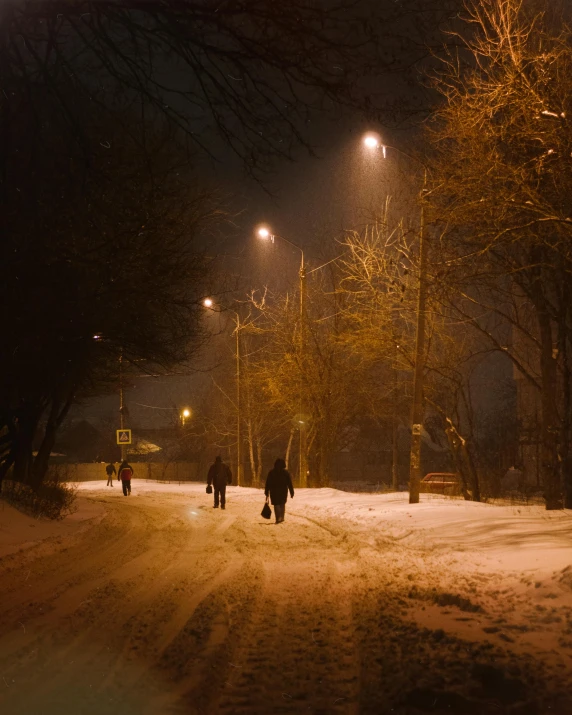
(248, 73)
(93, 267)
(502, 185)
(380, 274)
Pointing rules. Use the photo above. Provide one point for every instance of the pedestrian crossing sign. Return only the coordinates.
(123, 436)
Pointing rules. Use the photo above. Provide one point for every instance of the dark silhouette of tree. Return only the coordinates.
(251, 73)
(95, 264)
(95, 208)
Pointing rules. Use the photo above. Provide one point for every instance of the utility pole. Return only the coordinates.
(303, 476)
(121, 405)
(372, 142)
(417, 411)
(239, 464)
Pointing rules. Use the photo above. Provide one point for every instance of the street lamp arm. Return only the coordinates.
(409, 156)
(287, 240)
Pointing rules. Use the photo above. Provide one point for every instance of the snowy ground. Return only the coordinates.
(358, 603)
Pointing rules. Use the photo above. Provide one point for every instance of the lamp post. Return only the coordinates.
(185, 414)
(239, 464)
(208, 303)
(265, 233)
(372, 141)
(121, 405)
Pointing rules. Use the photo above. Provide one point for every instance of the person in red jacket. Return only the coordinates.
(125, 474)
(219, 476)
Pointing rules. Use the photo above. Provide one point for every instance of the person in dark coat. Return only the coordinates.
(278, 484)
(219, 476)
(110, 471)
(125, 474)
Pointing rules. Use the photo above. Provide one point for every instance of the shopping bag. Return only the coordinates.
(266, 511)
(209, 489)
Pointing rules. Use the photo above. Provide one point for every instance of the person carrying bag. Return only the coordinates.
(219, 476)
(278, 484)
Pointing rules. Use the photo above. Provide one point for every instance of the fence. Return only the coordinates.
(154, 471)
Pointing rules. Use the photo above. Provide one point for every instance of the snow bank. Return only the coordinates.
(18, 530)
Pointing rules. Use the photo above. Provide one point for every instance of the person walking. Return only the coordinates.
(110, 470)
(278, 484)
(125, 474)
(219, 476)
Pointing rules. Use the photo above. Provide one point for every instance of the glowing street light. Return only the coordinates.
(185, 414)
(208, 302)
(265, 233)
(372, 141)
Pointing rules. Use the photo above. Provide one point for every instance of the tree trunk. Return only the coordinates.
(40, 463)
(454, 447)
(549, 430)
(395, 453)
(23, 446)
(251, 450)
(473, 474)
(5, 467)
(57, 415)
(564, 449)
(289, 448)
(311, 461)
(323, 473)
(258, 464)
(323, 453)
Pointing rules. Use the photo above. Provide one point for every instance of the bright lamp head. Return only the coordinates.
(371, 141)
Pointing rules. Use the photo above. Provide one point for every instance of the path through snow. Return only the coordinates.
(358, 603)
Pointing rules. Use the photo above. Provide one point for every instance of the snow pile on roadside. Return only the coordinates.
(502, 537)
(19, 530)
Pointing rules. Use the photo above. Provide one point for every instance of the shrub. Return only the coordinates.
(53, 500)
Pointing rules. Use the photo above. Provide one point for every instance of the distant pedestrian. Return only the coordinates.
(278, 484)
(219, 476)
(125, 474)
(110, 469)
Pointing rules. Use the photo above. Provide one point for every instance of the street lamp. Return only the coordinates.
(419, 365)
(185, 414)
(209, 303)
(372, 141)
(265, 233)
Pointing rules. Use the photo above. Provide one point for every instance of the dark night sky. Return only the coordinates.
(310, 201)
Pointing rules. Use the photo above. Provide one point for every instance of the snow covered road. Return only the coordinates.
(157, 603)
